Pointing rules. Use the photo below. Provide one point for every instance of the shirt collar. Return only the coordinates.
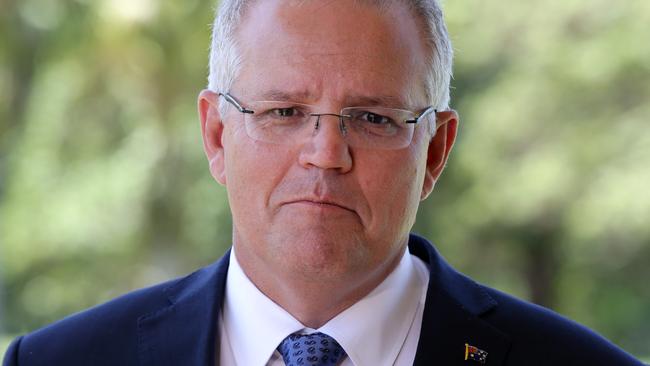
(390, 306)
(254, 324)
(360, 329)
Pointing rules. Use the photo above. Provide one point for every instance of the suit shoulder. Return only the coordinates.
(540, 333)
(105, 334)
(11, 356)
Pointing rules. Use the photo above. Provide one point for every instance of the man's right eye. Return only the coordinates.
(284, 112)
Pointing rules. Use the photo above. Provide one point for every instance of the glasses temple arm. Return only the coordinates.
(230, 99)
(422, 115)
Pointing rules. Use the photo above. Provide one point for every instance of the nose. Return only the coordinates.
(327, 148)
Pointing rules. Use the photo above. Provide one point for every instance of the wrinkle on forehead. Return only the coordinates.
(307, 96)
(302, 53)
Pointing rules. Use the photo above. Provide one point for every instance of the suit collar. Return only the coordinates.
(185, 332)
(452, 314)
(177, 335)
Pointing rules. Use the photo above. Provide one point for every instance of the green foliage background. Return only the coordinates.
(104, 187)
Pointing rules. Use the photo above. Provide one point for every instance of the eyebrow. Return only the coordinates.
(304, 96)
(281, 95)
(376, 101)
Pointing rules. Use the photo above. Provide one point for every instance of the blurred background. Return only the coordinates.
(104, 187)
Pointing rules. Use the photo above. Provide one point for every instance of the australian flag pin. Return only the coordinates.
(475, 354)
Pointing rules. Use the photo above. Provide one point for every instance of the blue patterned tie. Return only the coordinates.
(316, 349)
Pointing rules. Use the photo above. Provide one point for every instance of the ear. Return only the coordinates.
(439, 148)
(212, 131)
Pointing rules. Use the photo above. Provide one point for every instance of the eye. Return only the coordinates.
(375, 118)
(284, 112)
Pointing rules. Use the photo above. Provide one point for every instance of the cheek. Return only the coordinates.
(253, 171)
(393, 192)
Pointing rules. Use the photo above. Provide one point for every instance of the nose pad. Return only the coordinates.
(342, 126)
(328, 149)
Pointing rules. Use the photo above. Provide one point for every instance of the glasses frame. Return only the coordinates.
(232, 100)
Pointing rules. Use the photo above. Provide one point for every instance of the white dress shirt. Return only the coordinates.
(382, 328)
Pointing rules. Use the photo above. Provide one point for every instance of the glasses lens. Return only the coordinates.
(277, 122)
(379, 128)
(290, 123)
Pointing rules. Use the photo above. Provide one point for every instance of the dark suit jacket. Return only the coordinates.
(175, 323)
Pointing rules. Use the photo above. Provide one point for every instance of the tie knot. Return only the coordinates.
(316, 349)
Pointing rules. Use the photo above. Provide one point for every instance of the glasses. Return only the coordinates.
(363, 127)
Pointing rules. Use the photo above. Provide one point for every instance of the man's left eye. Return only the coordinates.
(375, 118)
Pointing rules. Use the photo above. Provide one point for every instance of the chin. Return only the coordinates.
(321, 253)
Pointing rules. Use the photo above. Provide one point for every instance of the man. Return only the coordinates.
(328, 123)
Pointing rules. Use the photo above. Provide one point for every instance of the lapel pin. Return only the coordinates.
(475, 354)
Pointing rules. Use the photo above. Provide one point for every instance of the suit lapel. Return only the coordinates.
(451, 319)
(185, 332)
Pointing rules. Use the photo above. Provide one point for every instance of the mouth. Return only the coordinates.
(321, 204)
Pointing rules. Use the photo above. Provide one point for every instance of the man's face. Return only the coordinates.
(320, 207)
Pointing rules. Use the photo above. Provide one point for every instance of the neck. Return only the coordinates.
(311, 299)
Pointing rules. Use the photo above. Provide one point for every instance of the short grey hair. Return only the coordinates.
(225, 60)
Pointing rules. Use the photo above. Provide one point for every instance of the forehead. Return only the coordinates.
(336, 49)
